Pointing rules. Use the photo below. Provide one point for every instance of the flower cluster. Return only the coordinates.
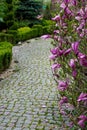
(70, 55)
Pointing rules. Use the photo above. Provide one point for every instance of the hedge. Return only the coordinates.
(5, 55)
(7, 37)
(39, 28)
(26, 33)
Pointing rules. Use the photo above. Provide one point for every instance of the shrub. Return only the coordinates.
(15, 26)
(34, 32)
(5, 55)
(7, 37)
(23, 30)
(23, 33)
(47, 22)
(26, 33)
(23, 23)
(14, 33)
(70, 62)
(47, 29)
(39, 28)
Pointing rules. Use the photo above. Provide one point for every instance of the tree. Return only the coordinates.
(9, 17)
(28, 9)
(47, 9)
(3, 9)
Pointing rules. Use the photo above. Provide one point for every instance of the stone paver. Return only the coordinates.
(28, 98)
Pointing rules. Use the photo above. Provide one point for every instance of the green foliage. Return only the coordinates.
(48, 26)
(28, 10)
(15, 26)
(39, 28)
(3, 8)
(23, 23)
(9, 17)
(46, 29)
(5, 55)
(45, 22)
(26, 33)
(7, 37)
(23, 30)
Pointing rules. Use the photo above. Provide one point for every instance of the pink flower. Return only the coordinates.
(68, 11)
(75, 46)
(56, 18)
(82, 34)
(81, 55)
(55, 37)
(81, 123)
(62, 112)
(78, 18)
(82, 59)
(56, 31)
(67, 51)
(74, 2)
(66, 1)
(82, 120)
(63, 100)
(54, 51)
(72, 63)
(62, 85)
(55, 66)
(52, 57)
(46, 36)
(63, 5)
(74, 73)
(57, 51)
(82, 97)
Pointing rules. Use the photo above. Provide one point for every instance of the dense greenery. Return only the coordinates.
(19, 21)
(28, 10)
(9, 17)
(5, 55)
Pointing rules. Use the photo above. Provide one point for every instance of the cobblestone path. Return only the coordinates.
(28, 98)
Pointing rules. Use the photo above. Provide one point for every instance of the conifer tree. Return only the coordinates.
(28, 9)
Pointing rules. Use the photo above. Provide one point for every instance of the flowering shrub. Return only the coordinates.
(70, 59)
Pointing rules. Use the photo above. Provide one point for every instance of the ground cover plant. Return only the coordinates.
(69, 57)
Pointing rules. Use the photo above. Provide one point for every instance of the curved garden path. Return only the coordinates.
(28, 98)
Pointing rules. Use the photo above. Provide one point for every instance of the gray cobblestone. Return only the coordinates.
(28, 97)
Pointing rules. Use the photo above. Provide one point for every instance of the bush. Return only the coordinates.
(23, 33)
(7, 37)
(23, 23)
(34, 32)
(47, 29)
(14, 33)
(23, 30)
(5, 55)
(47, 22)
(15, 26)
(39, 28)
(26, 33)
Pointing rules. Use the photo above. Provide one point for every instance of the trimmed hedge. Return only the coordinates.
(26, 33)
(7, 37)
(5, 55)
(39, 28)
